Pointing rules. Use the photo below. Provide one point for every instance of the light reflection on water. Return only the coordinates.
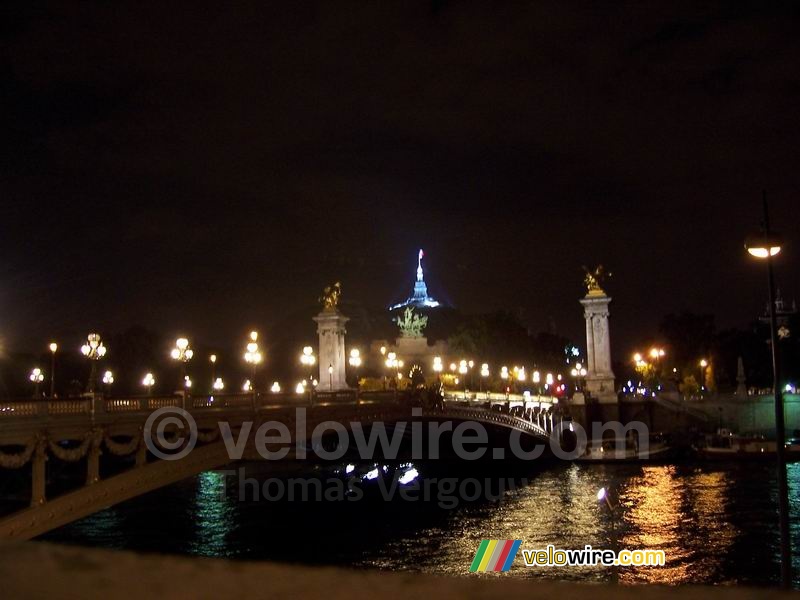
(716, 524)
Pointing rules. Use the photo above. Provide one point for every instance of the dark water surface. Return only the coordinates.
(717, 523)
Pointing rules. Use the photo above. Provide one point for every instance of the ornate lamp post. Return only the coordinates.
(53, 348)
(183, 354)
(578, 372)
(484, 376)
(765, 246)
(355, 362)
(308, 360)
(437, 368)
(148, 382)
(703, 365)
(253, 356)
(392, 362)
(108, 379)
(213, 360)
(94, 350)
(37, 377)
(218, 385)
(504, 375)
(462, 369)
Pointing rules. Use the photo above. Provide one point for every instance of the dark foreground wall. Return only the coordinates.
(40, 570)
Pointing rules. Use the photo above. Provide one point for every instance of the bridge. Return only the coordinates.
(35, 432)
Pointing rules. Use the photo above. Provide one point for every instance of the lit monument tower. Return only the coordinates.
(331, 331)
(420, 296)
(599, 377)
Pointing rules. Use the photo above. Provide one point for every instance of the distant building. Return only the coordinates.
(420, 297)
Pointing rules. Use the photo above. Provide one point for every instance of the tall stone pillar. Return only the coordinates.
(331, 331)
(599, 376)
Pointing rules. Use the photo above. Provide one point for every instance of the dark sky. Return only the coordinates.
(207, 168)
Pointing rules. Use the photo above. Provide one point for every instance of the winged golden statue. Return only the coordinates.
(330, 296)
(594, 280)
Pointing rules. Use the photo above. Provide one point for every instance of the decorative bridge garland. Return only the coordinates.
(18, 459)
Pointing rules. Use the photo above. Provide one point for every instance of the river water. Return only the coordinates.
(717, 523)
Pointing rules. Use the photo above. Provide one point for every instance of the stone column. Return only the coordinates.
(599, 377)
(39, 472)
(331, 331)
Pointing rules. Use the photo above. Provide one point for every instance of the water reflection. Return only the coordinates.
(715, 523)
(215, 516)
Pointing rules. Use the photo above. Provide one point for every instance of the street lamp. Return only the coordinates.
(252, 355)
(355, 362)
(462, 369)
(703, 365)
(392, 362)
(438, 366)
(484, 376)
(308, 359)
(213, 360)
(94, 350)
(219, 385)
(276, 387)
(765, 246)
(183, 354)
(53, 348)
(149, 381)
(37, 377)
(108, 379)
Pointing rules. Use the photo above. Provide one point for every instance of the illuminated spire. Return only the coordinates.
(420, 296)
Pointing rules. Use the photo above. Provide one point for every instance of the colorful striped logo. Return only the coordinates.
(495, 555)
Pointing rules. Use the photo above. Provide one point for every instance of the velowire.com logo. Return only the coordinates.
(495, 555)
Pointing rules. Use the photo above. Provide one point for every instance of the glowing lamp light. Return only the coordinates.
(484, 370)
(537, 377)
(300, 388)
(36, 376)
(761, 246)
(108, 378)
(218, 385)
(275, 388)
(247, 386)
(437, 364)
(355, 357)
(93, 349)
(148, 381)
(601, 494)
(307, 357)
(53, 347)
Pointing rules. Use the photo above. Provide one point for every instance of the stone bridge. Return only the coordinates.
(34, 432)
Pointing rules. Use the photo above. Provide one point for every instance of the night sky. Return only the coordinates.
(207, 169)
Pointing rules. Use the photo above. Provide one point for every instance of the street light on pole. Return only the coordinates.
(253, 356)
(765, 246)
(183, 354)
(94, 350)
(108, 379)
(37, 377)
(53, 349)
(213, 359)
(703, 365)
(355, 362)
(484, 376)
(148, 382)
